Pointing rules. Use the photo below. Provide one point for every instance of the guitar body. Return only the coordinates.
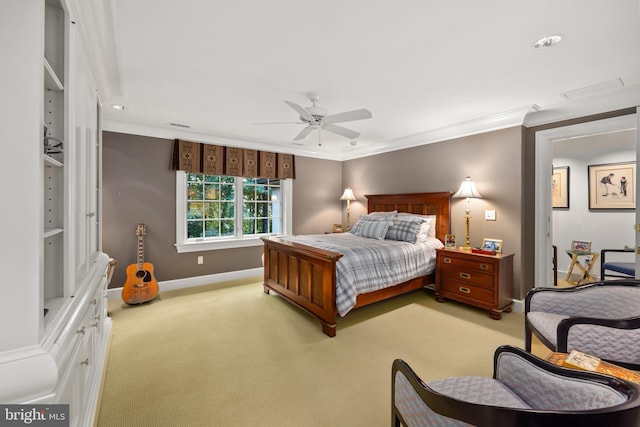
(140, 286)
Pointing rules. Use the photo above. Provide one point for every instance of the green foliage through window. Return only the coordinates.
(212, 203)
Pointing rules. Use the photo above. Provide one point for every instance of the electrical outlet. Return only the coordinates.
(200, 259)
(490, 215)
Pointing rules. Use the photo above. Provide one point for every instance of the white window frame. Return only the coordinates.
(196, 245)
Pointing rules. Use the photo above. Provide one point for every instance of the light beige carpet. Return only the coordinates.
(234, 356)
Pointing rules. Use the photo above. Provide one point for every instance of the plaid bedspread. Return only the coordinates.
(368, 265)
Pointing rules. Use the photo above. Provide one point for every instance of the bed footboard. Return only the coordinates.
(304, 275)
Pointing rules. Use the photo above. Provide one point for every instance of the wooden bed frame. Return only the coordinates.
(306, 276)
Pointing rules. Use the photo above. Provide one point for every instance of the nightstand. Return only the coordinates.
(484, 281)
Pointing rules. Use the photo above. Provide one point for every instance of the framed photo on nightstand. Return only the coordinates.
(492, 245)
(337, 228)
(450, 241)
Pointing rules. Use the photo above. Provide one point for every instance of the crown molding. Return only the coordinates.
(95, 23)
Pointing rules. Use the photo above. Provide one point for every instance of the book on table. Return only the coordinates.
(579, 360)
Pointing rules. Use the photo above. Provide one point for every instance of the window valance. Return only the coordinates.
(196, 157)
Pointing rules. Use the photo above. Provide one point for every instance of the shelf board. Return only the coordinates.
(49, 232)
(51, 162)
(51, 80)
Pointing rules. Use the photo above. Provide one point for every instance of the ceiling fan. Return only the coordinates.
(316, 117)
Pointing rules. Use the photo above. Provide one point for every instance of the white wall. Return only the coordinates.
(605, 229)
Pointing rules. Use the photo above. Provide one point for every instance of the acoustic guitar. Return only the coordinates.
(140, 286)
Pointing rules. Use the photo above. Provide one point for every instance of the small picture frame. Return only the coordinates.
(492, 245)
(450, 241)
(580, 246)
(337, 228)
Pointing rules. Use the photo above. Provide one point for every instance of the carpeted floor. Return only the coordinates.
(234, 356)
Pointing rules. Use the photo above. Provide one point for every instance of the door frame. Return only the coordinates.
(543, 274)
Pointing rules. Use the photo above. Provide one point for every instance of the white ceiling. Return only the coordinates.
(427, 70)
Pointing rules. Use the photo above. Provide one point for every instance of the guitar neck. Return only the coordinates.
(140, 252)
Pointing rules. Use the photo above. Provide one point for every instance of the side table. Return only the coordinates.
(484, 281)
(585, 271)
(603, 368)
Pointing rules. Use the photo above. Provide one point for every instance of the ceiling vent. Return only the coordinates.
(594, 89)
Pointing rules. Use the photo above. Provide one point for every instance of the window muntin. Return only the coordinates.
(212, 207)
(261, 206)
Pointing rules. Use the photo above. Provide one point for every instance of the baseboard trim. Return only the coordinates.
(189, 282)
(518, 306)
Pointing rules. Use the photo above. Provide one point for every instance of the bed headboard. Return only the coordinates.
(417, 203)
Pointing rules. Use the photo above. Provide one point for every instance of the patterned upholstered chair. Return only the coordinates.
(602, 319)
(525, 391)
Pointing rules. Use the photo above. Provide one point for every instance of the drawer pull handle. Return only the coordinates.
(85, 362)
(484, 267)
(464, 290)
(465, 275)
(446, 260)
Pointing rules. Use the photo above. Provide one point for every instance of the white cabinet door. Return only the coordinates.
(83, 166)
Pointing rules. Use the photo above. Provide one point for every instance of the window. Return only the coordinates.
(216, 212)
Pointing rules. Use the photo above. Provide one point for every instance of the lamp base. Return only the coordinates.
(465, 248)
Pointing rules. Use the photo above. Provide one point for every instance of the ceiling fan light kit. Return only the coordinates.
(316, 117)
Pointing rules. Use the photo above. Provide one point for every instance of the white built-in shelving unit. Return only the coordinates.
(54, 346)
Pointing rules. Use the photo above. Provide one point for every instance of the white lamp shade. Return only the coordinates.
(348, 194)
(467, 189)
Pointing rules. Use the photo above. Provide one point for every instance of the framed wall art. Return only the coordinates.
(612, 186)
(560, 187)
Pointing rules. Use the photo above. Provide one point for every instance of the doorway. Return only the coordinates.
(546, 218)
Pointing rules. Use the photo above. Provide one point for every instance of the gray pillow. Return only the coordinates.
(373, 229)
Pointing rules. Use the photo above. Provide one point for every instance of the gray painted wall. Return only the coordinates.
(139, 187)
(493, 160)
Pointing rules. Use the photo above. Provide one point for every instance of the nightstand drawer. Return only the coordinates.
(473, 264)
(470, 276)
(458, 290)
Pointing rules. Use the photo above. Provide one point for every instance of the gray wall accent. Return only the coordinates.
(316, 195)
(492, 159)
(139, 187)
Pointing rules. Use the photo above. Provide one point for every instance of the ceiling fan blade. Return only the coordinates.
(303, 113)
(348, 116)
(303, 133)
(347, 133)
(280, 123)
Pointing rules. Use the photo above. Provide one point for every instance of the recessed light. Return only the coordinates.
(547, 41)
(117, 107)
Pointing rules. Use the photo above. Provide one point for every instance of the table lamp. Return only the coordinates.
(348, 196)
(467, 190)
